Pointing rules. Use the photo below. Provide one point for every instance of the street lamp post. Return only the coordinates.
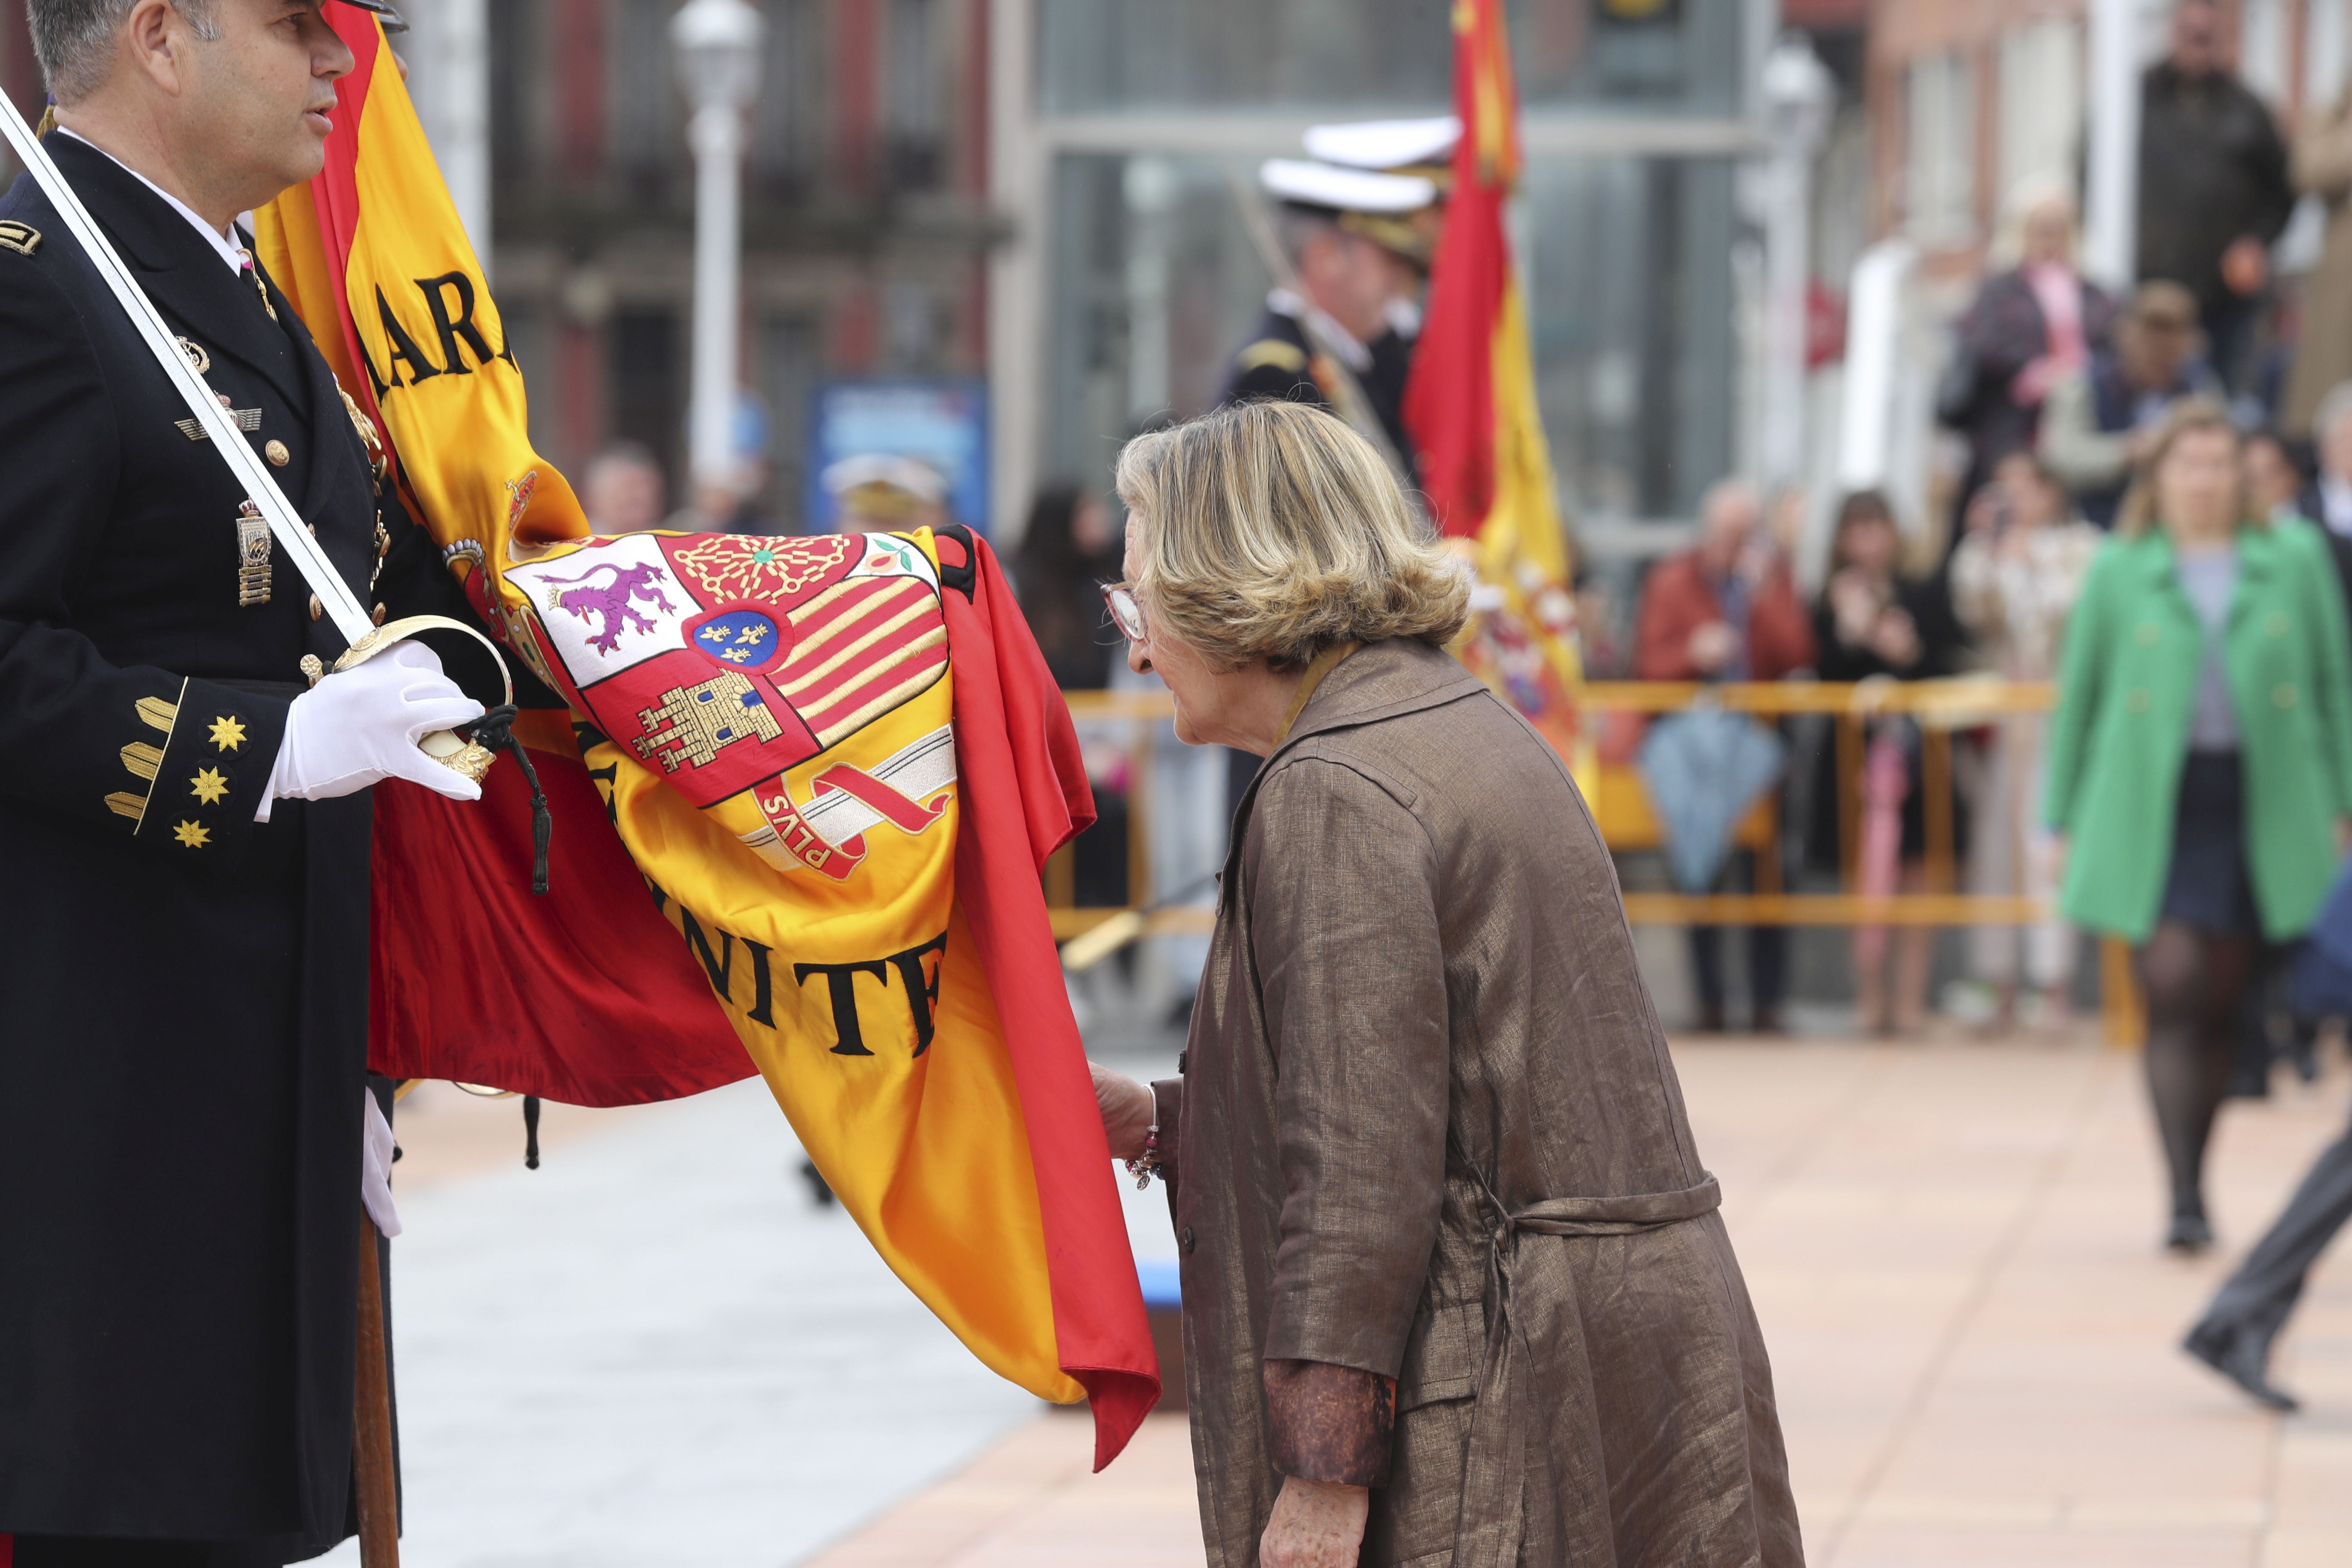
(1798, 96)
(717, 44)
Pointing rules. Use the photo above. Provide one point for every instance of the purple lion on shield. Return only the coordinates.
(585, 597)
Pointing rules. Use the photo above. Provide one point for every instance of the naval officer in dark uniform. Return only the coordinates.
(184, 950)
(1359, 242)
(1424, 148)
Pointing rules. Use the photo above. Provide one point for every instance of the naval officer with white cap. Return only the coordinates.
(1359, 242)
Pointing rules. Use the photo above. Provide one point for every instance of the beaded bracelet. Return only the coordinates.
(1146, 1165)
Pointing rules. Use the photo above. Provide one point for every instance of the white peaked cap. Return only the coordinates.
(1385, 143)
(917, 478)
(1344, 190)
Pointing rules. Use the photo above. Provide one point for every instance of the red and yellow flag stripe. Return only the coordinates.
(1471, 406)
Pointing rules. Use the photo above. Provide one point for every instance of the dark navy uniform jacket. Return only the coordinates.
(1278, 362)
(183, 993)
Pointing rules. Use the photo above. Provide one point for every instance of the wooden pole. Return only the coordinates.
(2124, 1011)
(1851, 755)
(379, 1499)
(1935, 780)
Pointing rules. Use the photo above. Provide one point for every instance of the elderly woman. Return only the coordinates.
(1455, 1286)
(2029, 327)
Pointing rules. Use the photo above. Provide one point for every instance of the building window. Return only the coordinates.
(915, 93)
(2040, 104)
(790, 359)
(2327, 53)
(1940, 183)
(911, 337)
(648, 144)
(787, 119)
(1113, 56)
(525, 326)
(2263, 46)
(646, 405)
(1628, 292)
(520, 107)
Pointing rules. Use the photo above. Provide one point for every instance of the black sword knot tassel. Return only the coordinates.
(530, 1133)
(495, 732)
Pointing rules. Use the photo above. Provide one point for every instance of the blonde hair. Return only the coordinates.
(1272, 531)
(2137, 513)
(2026, 197)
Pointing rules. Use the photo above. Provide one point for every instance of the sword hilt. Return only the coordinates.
(446, 747)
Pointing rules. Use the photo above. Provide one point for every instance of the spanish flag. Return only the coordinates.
(804, 790)
(1470, 405)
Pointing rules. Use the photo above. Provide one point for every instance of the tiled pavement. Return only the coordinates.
(1952, 1251)
(653, 1351)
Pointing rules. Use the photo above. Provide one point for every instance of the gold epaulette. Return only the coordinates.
(21, 238)
(1271, 352)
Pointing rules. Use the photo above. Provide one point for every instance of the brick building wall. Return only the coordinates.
(867, 225)
(865, 221)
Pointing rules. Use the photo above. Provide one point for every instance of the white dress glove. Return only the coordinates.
(363, 725)
(375, 1168)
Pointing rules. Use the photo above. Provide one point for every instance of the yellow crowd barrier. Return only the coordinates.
(1621, 808)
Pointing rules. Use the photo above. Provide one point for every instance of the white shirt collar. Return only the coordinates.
(1351, 352)
(223, 244)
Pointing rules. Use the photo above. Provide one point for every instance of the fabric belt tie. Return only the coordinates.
(1493, 1476)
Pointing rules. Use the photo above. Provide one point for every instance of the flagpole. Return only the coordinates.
(371, 1461)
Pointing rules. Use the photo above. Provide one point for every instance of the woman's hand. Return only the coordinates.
(1126, 1106)
(1316, 1524)
(2029, 386)
(1895, 638)
(2246, 264)
(1984, 516)
(1711, 647)
(1854, 603)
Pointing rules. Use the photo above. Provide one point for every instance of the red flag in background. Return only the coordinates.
(1450, 399)
(1470, 406)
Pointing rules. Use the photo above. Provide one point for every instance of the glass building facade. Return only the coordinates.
(1149, 115)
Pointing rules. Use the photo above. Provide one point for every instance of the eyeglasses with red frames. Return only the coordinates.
(1125, 613)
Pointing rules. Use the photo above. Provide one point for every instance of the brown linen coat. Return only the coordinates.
(1421, 1015)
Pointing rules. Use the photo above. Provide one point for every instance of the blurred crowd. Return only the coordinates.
(2058, 393)
(2152, 509)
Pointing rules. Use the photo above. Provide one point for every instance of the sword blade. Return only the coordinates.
(341, 604)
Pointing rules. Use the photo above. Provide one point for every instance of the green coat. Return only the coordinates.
(2135, 649)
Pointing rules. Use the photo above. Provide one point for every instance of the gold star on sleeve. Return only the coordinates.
(228, 734)
(193, 834)
(211, 787)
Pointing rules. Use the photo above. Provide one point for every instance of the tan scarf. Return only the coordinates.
(1324, 664)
